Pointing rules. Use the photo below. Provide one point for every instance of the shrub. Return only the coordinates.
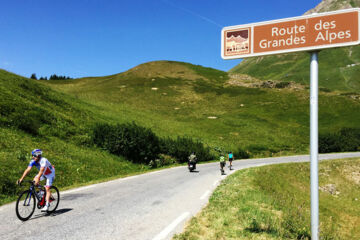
(350, 139)
(136, 143)
(28, 121)
(257, 148)
(323, 89)
(141, 145)
(347, 139)
(282, 84)
(182, 147)
(241, 154)
(162, 161)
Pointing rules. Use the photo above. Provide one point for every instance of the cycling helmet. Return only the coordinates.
(36, 152)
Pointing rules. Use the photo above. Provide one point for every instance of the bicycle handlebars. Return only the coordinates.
(31, 182)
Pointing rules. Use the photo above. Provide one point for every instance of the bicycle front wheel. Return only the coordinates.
(25, 205)
(54, 199)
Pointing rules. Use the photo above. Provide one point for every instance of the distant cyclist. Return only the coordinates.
(222, 164)
(46, 171)
(230, 155)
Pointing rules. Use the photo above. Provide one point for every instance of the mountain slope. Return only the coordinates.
(206, 104)
(338, 68)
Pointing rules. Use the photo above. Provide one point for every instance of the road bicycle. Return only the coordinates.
(25, 205)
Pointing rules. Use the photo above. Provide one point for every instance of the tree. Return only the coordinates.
(33, 76)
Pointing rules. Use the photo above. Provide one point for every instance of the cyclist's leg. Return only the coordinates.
(49, 182)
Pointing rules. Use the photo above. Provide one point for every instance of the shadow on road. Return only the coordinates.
(195, 171)
(57, 212)
(73, 196)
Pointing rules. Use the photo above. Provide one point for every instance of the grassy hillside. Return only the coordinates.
(177, 99)
(259, 204)
(35, 116)
(339, 68)
(172, 98)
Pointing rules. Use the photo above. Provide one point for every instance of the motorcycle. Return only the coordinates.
(192, 166)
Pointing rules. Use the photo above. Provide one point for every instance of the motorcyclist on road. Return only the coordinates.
(192, 159)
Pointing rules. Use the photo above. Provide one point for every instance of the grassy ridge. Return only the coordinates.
(258, 204)
(180, 102)
(35, 116)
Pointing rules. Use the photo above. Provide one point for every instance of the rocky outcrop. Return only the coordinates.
(332, 5)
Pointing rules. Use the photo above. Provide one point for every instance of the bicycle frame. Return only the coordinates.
(32, 191)
(25, 207)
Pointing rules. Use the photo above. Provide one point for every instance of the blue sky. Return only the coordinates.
(81, 38)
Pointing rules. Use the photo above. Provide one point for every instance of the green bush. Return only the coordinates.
(346, 140)
(257, 148)
(282, 84)
(141, 145)
(241, 154)
(136, 143)
(162, 161)
(182, 147)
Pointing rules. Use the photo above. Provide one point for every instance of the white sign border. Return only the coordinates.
(252, 25)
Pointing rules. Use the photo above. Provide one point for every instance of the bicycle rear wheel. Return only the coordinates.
(25, 205)
(54, 199)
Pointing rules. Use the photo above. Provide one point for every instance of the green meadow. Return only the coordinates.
(180, 99)
(273, 202)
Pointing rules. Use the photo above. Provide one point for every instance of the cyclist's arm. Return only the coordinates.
(37, 177)
(27, 170)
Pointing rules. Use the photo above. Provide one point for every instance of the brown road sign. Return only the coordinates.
(305, 33)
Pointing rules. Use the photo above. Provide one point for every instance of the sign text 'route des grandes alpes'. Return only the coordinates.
(305, 33)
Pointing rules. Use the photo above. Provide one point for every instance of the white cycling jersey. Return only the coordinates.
(49, 172)
(43, 162)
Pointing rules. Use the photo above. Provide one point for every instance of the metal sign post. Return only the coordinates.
(305, 33)
(314, 146)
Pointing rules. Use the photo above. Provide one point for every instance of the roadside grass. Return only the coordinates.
(273, 202)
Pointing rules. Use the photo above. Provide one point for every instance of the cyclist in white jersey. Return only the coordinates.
(46, 171)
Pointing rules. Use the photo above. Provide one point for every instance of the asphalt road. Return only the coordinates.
(149, 206)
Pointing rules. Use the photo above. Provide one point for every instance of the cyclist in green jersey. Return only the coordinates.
(222, 163)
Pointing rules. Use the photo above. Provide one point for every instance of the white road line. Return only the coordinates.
(171, 227)
(78, 189)
(205, 195)
(128, 178)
